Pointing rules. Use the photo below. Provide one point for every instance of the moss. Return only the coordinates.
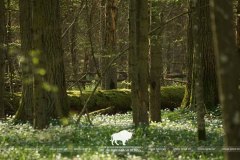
(99, 96)
(171, 97)
(19, 114)
(109, 110)
(186, 99)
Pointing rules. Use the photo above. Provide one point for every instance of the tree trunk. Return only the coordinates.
(208, 59)
(8, 55)
(155, 69)
(122, 38)
(92, 63)
(49, 86)
(102, 35)
(2, 57)
(57, 97)
(66, 19)
(208, 62)
(228, 70)
(169, 59)
(25, 110)
(133, 60)
(238, 26)
(142, 60)
(110, 44)
(189, 59)
(85, 64)
(39, 96)
(75, 65)
(197, 33)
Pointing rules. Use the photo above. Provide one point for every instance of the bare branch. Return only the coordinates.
(95, 88)
(73, 21)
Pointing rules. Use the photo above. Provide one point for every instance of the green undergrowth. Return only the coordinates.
(84, 141)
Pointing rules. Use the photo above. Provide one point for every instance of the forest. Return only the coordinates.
(119, 79)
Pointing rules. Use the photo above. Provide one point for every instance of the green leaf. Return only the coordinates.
(46, 86)
(34, 53)
(42, 71)
(64, 121)
(35, 60)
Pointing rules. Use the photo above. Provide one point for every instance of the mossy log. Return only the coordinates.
(107, 101)
(109, 110)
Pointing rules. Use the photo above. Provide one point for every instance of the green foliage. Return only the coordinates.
(123, 85)
(91, 86)
(178, 129)
(35, 60)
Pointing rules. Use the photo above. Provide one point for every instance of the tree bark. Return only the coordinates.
(197, 31)
(228, 71)
(133, 60)
(208, 61)
(102, 35)
(238, 25)
(25, 110)
(110, 44)
(90, 21)
(8, 41)
(189, 59)
(85, 64)
(39, 96)
(57, 97)
(75, 66)
(142, 60)
(155, 69)
(2, 57)
(49, 86)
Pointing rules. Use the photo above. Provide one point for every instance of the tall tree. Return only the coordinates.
(2, 57)
(58, 101)
(39, 70)
(142, 60)
(238, 25)
(208, 61)
(110, 43)
(52, 101)
(92, 62)
(139, 69)
(155, 65)
(73, 39)
(228, 71)
(25, 110)
(8, 41)
(101, 39)
(133, 60)
(187, 100)
(198, 69)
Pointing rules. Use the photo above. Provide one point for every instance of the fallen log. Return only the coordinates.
(112, 101)
(109, 110)
(173, 80)
(90, 81)
(123, 76)
(180, 75)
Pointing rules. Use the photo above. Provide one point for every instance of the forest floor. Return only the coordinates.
(174, 138)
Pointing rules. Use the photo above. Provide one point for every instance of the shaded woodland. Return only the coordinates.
(91, 57)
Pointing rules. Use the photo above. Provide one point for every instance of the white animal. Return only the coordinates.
(122, 136)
